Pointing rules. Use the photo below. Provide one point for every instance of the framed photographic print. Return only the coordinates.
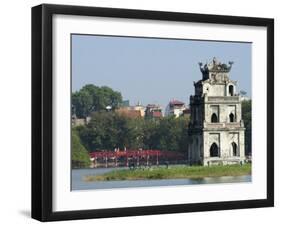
(145, 112)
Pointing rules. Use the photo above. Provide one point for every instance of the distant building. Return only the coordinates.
(139, 108)
(186, 112)
(129, 112)
(79, 121)
(157, 114)
(175, 107)
(153, 111)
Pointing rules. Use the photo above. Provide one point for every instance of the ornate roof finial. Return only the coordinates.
(215, 61)
(201, 67)
(215, 66)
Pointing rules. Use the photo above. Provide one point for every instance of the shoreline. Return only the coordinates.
(173, 172)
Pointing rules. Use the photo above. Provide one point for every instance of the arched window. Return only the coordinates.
(214, 118)
(214, 150)
(231, 117)
(234, 149)
(231, 90)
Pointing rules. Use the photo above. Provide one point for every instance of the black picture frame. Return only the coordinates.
(42, 107)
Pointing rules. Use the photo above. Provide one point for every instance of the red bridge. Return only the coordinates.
(136, 157)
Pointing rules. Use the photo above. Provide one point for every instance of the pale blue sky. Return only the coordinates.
(153, 70)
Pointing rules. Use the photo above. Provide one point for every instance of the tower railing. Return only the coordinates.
(223, 98)
(223, 124)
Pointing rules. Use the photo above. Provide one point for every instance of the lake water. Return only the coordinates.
(79, 184)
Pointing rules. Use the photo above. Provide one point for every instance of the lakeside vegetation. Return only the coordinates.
(247, 118)
(173, 172)
(110, 130)
(79, 155)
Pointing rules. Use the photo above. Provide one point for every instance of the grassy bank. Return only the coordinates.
(173, 172)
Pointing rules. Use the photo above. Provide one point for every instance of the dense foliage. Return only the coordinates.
(247, 118)
(93, 98)
(110, 130)
(79, 155)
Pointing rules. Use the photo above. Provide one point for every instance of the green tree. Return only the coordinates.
(82, 103)
(79, 155)
(172, 133)
(130, 132)
(168, 132)
(150, 134)
(247, 118)
(183, 141)
(101, 133)
(136, 133)
(110, 130)
(92, 98)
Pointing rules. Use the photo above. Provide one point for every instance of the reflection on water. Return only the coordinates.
(79, 184)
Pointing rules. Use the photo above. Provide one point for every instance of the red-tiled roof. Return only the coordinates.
(129, 113)
(176, 102)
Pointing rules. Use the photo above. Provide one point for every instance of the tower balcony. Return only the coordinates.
(217, 99)
(223, 125)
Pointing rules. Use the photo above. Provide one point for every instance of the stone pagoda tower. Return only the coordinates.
(216, 129)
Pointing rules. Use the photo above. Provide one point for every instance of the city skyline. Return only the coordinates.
(151, 70)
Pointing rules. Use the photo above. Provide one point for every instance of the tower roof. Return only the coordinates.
(215, 66)
(175, 102)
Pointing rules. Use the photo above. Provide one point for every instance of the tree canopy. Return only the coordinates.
(92, 98)
(110, 130)
(247, 118)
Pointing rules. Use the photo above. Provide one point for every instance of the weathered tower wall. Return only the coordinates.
(216, 130)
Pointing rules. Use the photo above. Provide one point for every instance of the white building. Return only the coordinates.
(140, 108)
(216, 130)
(175, 107)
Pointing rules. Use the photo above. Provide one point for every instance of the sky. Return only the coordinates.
(152, 70)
